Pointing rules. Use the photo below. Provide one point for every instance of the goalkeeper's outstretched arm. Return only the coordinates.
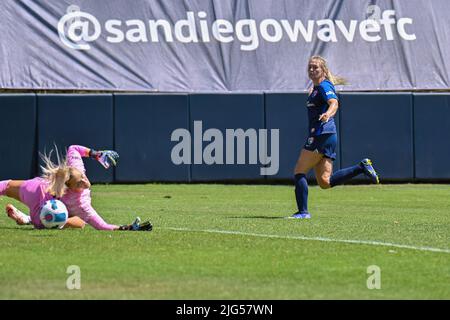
(105, 157)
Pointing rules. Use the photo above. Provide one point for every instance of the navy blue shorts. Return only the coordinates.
(324, 144)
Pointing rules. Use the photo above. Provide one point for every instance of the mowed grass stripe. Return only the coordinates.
(363, 242)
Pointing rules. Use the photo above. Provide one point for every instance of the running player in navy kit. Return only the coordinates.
(319, 149)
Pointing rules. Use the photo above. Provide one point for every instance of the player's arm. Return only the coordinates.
(90, 216)
(333, 106)
(328, 93)
(75, 153)
(98, 223)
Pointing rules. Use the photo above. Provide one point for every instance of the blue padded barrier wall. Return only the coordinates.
(432, 135)
(17, 141)
(143, 127)
(378, 126)
(87, 120)
(225, 111)
(397, 130)
(288, 113)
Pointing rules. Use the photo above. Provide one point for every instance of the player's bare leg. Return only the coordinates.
(323, 171)
(74, 222)
(13, 189)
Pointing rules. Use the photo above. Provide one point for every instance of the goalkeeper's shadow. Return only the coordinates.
(30, 229)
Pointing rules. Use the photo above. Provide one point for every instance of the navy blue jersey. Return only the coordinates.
(317, 104)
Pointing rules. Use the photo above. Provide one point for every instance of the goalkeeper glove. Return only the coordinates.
(105, 157)
(137, 226)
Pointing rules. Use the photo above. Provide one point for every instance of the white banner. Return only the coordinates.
(222, 45)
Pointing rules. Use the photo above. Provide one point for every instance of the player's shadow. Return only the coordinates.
(16, 228)
(27, 229)
(257, 217)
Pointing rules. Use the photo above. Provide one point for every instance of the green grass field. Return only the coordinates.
(230, 242)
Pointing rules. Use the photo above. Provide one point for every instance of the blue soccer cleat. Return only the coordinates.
(369, 171)
(299, 215)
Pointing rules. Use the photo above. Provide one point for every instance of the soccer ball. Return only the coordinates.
(54, 214)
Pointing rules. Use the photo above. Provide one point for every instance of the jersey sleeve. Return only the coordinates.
(88, 214)
(74, 157)
(327, 91)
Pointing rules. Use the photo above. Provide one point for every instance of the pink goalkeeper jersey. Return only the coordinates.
(33, 194)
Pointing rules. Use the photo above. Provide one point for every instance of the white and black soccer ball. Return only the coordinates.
(54, 214)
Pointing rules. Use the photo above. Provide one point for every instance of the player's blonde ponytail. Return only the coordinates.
(57, 174)
(335, 79)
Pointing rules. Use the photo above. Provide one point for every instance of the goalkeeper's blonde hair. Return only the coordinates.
(335, 79)
(57, 174)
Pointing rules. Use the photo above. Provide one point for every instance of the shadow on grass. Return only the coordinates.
(17, 228)
(29, 229)
(257, 217)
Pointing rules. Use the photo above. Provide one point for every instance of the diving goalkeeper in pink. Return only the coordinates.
(66, 181)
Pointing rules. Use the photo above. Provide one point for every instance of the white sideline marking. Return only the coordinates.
(373, 243)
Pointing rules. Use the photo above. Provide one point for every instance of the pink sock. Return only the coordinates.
(3, 187)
